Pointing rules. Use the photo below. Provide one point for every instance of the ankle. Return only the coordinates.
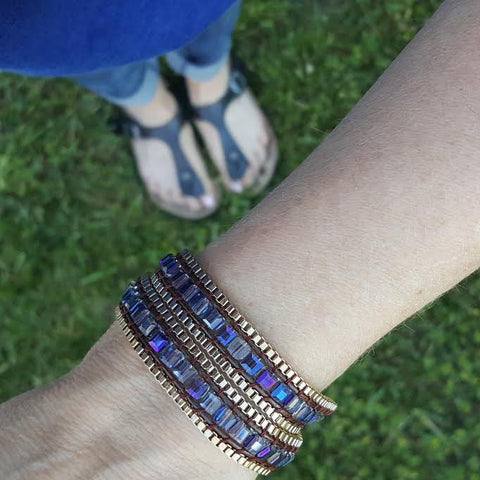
(158, 111)
(209, 91)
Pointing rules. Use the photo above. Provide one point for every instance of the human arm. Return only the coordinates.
(380, 220)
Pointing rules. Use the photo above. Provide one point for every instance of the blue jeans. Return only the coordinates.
(136, 83)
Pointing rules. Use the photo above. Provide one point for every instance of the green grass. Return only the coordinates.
(75, 225)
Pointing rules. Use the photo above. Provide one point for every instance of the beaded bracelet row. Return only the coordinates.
(221, 372)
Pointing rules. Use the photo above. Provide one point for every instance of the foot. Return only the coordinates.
(156, 164)
(247, 125)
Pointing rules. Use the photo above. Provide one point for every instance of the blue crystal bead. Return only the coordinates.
(217, 416)
(294, 405)
(193, 296)
(182, 283)
(167, 259)
(158, 342)
(196, 387)
(147, 325)
(171, 269)
(129, 297)
(255, 444)
(202, 307)
(285, 458)
(184, 371)
(239, 432)
(303, 413)
(252, 364)
(228, 420)
(171, 357)
(313, 417)
(226, 335)
(238, 348)
(139, 313)
(213, 320)
(282, 393)
(267, 380)
(211, 403)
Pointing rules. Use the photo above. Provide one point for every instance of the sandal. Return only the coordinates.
(188, 180)
(236, 161)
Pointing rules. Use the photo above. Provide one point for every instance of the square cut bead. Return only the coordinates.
(264, 452)
(294, 405)
(255, 444)
(129, 297)
(202, 307)
(147, 325)
(227, 421)
(226, 335)
(313, 417)
(196, 387)
(302, 413)
(273, 456)
(239, 432)
(282, 393)
(219, 413)
(238, 348)
(167, 259)
(252, 364)
(286, 457)
(184, 371)
(267, 380)
(192, 295)
(171, 357)
(182, 283)
(211, 403)
(171, 269)
(139, 313)
(213, 320)
(158, 342)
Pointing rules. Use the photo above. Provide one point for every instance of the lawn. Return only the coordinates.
(75, 225)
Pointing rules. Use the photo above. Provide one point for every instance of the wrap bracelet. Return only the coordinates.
(220, 371)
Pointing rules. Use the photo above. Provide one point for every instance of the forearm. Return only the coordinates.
(380, 220)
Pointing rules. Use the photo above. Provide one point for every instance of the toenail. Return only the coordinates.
(236, 186)
(208, 200)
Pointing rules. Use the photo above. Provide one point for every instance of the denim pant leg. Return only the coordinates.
(204, 56)
(131, 84)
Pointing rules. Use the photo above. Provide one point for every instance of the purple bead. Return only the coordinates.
(211, 403)
(196, 387)
(213, 320)
(182, 283)
(238, 348)
(266, 380)
(264, 452)
(226, 335)
(239, 432)
(255, 444)
(158, 342)
(193, 296)
(171, 357)
(252, 364)
(171, 269)
(167, 259)
(282, 393)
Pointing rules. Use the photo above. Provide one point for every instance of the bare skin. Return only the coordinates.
(381, 219)
(245, 121)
